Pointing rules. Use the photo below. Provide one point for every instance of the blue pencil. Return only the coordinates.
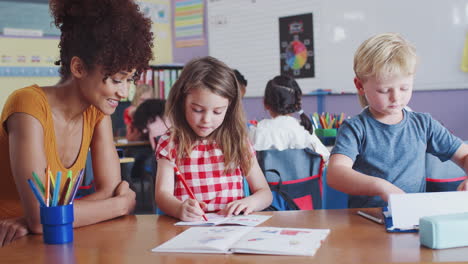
(36, 193)
(56, 189)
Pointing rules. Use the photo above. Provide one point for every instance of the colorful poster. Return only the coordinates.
(188, 23)
(297, 46)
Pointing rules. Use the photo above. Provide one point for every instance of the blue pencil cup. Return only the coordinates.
(57, 224)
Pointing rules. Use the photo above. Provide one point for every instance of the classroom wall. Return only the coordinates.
(448, 107)
(183, 55)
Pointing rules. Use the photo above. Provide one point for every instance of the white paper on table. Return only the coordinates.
(406, 209)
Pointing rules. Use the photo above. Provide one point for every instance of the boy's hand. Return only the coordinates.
(191, 210)
(237, 207)
(463, 186)
(387, 188)
(12, 229)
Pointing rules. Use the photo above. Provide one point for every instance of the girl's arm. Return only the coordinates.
(261, 195)
(461, 159)
(27, 154)
(189, 210)
(341, 176)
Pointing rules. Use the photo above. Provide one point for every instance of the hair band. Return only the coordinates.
(300, 112)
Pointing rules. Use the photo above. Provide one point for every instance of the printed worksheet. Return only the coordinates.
(216, 219)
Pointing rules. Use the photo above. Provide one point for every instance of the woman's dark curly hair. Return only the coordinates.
(283, 96)
(113, 34)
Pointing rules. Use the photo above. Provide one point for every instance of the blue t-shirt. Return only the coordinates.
(395, 153)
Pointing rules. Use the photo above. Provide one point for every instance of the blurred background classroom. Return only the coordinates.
(312, 40)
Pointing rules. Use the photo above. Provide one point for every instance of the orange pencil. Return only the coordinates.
(182, 179)
(47, 186)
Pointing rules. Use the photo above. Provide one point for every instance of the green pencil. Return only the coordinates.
(39, 183)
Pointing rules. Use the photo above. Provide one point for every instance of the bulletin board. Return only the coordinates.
(248, 38)
(32, 55)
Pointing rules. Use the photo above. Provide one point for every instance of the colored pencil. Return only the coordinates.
(55, 198)
(64, 191)
(38, 182)
(36, 193)
(77, 185)
(182, 179)
(70, 186)
(47, 188)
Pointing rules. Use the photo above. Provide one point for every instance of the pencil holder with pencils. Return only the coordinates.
(57, 224)
(326, 135)
(56, 204)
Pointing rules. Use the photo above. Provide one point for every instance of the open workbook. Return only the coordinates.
(216, 219)
(245, 239)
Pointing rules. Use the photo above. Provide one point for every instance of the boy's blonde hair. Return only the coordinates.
(212, 74)
(384, 55)
(140, 89)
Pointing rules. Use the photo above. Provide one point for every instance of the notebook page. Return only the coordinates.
(204, 240)
(281, 241)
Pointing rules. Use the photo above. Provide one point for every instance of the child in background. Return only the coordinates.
(283, 98)
(382, 150)
(242, 82)
(149, 120)
(142, 93)
(208, 143)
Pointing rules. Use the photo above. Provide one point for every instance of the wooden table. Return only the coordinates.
(129, 239)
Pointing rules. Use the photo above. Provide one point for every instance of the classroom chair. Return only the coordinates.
(442, 176)
(294, 176)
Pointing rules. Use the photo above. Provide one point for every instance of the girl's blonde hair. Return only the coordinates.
(384, 55)
(212, 74)
(140, 89)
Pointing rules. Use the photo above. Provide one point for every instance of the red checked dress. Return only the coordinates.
(203, 172)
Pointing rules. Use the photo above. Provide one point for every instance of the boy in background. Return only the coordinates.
(382, 150)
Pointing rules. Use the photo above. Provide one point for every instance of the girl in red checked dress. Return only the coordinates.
(208, 143)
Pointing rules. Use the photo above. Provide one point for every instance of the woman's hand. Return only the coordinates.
(12, 229)
(129, 197)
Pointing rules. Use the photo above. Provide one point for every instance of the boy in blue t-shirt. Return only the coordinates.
(382, 150)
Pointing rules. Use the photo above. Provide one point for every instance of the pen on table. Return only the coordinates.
(370, 217)
(182, 179)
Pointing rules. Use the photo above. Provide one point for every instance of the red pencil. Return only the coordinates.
(182, 179)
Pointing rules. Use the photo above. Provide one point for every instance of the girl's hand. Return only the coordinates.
(191, 210)
(388, 188)
(237, 207)
(12, 229)
(123, 190)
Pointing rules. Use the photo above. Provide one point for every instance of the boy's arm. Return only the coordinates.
(461, 159)
(341, 176)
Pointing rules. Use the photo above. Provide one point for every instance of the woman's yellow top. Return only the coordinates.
(33, 101)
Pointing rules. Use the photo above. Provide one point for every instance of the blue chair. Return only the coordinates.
(442, 176)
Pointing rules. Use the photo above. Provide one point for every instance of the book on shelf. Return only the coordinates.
(216, 219)
(246, 239)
